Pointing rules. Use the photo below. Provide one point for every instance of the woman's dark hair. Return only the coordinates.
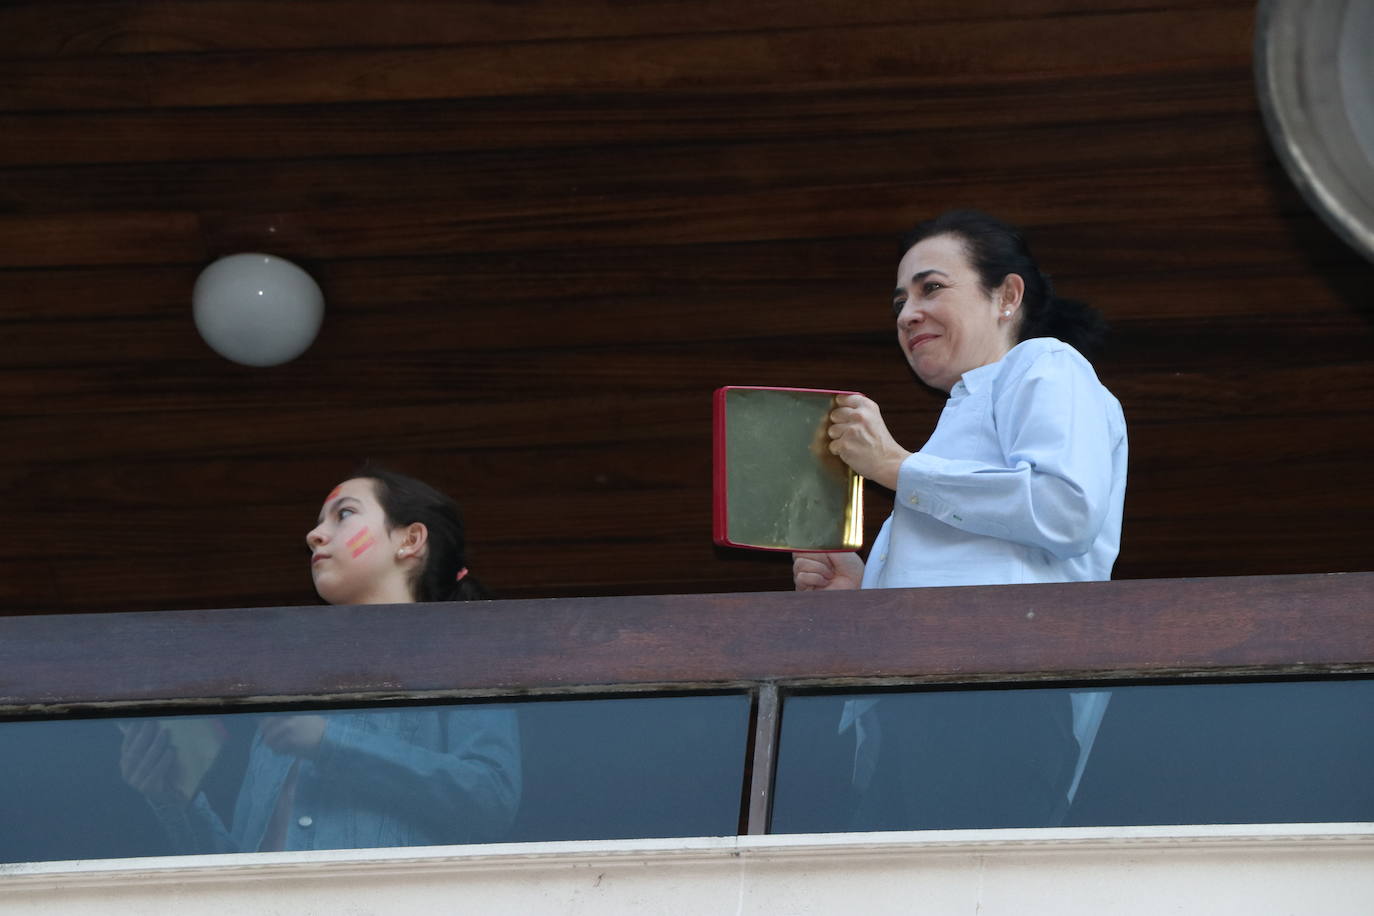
(995, 250)
(406, 500)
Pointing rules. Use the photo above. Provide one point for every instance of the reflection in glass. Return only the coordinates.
(395, 777)
(633, 768)
(1232, 753)
(1297, 752)
(401, 776)
(929, 760)
(252, 782)
(62, 796)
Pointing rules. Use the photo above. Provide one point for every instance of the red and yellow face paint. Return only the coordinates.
(361, 542)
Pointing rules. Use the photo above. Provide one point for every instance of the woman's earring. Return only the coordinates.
(1006, 313)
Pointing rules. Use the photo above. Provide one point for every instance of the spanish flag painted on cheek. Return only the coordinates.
(360, 542)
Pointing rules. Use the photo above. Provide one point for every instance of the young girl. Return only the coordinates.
(366, 778)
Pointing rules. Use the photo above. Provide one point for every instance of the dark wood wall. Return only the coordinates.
(547, 230)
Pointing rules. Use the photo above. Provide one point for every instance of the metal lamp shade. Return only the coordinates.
(1314, 66)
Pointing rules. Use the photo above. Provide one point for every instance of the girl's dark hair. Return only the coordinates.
(995, 250)
(406, 500)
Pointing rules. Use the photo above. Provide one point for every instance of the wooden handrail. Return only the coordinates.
(1099, 631)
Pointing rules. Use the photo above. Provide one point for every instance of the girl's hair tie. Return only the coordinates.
(461, 573)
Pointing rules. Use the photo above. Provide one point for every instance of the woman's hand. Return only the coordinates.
(822, 571)
(860, 438)
(148, 762)
(296, 735)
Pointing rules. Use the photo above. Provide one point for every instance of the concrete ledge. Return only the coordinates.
(1217, 869)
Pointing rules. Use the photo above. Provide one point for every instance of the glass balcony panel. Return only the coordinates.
(365, 778)
(1290, 752)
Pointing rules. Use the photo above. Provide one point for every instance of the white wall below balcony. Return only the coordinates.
(1214, 870)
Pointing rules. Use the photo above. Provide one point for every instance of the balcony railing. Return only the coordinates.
(723, 677)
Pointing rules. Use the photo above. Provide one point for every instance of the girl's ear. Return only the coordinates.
(414, 538)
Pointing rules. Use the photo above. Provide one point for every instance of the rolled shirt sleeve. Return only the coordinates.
(1051, 485)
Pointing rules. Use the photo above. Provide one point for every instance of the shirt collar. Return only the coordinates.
(976, 380)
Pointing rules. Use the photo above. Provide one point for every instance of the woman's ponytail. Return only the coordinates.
(1076, 323)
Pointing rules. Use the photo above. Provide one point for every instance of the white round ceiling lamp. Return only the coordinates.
(257, 309)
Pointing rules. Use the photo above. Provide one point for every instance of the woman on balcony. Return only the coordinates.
(1021, 481)
(367, 778)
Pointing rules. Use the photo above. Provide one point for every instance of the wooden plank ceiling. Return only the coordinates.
(546, 231)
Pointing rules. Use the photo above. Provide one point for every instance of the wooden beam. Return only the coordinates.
(1095, 631)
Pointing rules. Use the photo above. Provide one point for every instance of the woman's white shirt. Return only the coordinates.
(1023, 480)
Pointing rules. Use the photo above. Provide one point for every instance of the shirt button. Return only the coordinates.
(914, 500)
(305, 820)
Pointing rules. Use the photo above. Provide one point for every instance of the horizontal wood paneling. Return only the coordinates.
(490, 182)
(606, 118)
(930, 53)
(45, 28)
(748, 215)
(546, 231)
